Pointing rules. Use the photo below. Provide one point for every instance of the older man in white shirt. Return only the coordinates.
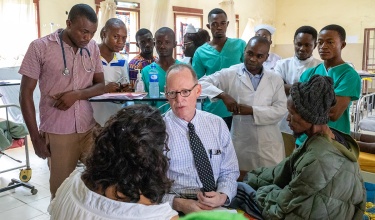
(203, 162)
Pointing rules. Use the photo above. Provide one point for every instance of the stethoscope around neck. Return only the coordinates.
(65, 71)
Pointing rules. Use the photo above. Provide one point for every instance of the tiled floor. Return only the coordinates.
(19, 203)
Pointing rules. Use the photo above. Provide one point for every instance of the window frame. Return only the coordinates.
(184, 11)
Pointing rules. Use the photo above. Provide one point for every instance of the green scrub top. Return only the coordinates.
(346, 82)
(207, 60)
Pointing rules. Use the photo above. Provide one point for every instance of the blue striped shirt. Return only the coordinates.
(216, 139)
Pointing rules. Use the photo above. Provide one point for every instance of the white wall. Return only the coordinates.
(354, 16)
(54, 11)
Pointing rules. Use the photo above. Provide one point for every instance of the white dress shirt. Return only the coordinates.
(216, 139)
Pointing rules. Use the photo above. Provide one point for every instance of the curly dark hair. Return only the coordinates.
(128, 154)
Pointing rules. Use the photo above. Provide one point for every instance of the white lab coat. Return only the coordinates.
(256, 138)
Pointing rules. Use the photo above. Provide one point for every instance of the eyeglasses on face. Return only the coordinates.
(183, 93)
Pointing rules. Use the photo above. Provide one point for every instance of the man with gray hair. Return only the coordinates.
(321, 179)
(203, 163)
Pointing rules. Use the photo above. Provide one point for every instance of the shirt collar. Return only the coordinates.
(55, 35)
(250, 74)
(114, 59)
(182, 122)
(308, 60)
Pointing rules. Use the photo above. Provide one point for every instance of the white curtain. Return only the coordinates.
(160, 14)
(19, 28)
(107, 10)
(228, 7)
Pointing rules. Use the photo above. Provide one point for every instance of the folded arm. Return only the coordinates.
(65, 100)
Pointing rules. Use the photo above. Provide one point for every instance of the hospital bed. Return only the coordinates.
(364, 117)
(9, 130)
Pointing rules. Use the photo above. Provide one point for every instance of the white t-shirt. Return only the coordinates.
(75, 201)
(291, 69)
(115, 71)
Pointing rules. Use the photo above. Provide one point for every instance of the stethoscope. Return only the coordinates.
(66, 72)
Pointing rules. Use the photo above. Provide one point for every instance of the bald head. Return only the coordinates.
(258, 40)
(176, 68)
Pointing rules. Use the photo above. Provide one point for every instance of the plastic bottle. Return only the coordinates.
(139, 84)
(154, 82)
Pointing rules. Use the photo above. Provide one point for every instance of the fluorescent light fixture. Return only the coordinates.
(127, 4)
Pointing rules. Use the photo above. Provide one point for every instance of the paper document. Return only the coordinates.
(121, 96)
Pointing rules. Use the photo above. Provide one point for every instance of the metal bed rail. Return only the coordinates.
(364, 105)
(25, 174)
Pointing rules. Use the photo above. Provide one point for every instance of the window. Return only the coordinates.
(368, 61)
(128, 12)
(17, 14)
(182, 17)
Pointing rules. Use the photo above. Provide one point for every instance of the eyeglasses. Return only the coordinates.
(183, 93)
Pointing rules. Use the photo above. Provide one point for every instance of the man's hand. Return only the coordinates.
(126, 87)
(112, 87)
(41, 148)
(65, 100)
(229, 102)
(188, 205)
(244, 110)
(212, 199)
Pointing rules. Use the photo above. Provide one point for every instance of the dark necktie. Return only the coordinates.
(201, 160)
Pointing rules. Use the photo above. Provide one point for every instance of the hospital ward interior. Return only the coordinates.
(187, 109)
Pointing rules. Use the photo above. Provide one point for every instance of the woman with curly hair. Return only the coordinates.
(125, 175)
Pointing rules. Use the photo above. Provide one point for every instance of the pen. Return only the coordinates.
(119, 80)
(202, 190)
